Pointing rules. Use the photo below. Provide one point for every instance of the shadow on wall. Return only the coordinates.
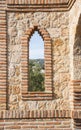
(77, 71)
(77, 43)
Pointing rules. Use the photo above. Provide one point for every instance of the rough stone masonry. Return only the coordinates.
(59, 24)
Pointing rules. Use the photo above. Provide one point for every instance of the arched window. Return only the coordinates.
(36, 63)
(41, 49)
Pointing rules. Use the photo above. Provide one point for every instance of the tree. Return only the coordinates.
(36, 78)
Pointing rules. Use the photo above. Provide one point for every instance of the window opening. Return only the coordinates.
(36, 63)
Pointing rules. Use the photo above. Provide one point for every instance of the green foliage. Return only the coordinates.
(36, 78)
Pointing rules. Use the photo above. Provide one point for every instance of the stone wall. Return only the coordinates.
(63, 24)
(56, 24)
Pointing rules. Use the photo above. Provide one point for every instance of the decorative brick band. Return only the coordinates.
(25, 63)
(36, 114)
(37, 96)
(39, 114)
(76, 114)
(37, 1)
(39, 5)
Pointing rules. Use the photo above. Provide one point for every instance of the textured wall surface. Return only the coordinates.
(45, 124)
(63, 24)
(57, 26)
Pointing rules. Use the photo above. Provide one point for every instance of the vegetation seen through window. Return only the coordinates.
(36, 63)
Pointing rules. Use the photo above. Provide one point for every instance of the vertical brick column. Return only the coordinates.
(3, 56)
(25, 61)
(77, 94)
(48, 64)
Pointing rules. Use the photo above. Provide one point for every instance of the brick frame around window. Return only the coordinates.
(48, 93)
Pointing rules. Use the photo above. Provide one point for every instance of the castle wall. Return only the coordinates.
(63, 24)
(56, 23)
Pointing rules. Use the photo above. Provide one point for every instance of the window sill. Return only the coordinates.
(37, 96)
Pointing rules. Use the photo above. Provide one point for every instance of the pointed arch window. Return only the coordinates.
(36, 63)
(30, 92)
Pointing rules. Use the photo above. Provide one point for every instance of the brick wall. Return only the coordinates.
(45, 124)
(36, 120)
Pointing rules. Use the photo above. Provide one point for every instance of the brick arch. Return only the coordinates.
(25, 61)
(43, 32)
